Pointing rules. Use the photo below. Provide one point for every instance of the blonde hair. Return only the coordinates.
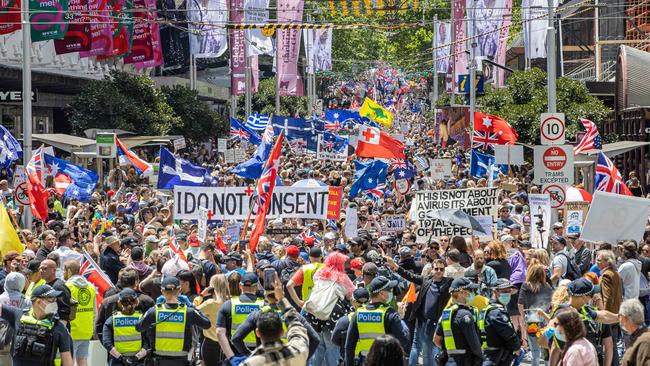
(560, 296)
(220, 289)
(536, 277)
(497, 250)
(540, 255)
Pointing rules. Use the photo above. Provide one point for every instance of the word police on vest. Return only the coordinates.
(370, 317)
(170, 316)
(126, 321)
(246, 309)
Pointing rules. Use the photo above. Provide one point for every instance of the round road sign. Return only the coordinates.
(552, 129)
(554, 158)
(20, 194)
(402, 186)
(557, 194)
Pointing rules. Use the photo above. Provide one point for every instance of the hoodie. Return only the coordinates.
(14, 285)
(141, 268)
(630, 272)
(78, 281)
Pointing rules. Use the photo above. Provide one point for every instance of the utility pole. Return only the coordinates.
(27, 98)
(551, 66)
(472, 67)
(434, 98)
(599, 69)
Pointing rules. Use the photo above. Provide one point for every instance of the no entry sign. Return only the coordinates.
(554, 165)
(552, 129)
(557, 194)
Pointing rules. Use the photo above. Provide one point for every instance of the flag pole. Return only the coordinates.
(13, 221)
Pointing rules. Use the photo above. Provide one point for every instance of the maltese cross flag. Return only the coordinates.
(374, 143)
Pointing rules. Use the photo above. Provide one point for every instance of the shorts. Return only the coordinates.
(80, 349)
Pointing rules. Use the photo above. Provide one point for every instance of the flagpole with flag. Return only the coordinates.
(93, 273)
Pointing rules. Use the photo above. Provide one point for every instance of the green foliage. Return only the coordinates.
(264, 102)
(525, 98)
(124, 101)
(197, 120)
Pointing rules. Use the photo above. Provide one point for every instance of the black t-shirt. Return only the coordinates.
(531, 299)
(62, 339)
(501, 267)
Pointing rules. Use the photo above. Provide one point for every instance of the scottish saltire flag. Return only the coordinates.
(127, 157)
(608, 178)
(591, 140)
(369, 177)
(402, 169)
(176, 171)
(239, 131)
(71, 180)
(483, 164)
(10, 149)
(257, 122)
(252, 168)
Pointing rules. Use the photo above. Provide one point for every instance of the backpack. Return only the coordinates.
(572, 269)
(287, 274)
(323, 298)
(6, 336)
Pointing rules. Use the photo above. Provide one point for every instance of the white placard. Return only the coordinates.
(232, 232)
(239, 155)
(229, 156)
(327, 150)
(202, 231)
(509, 154)
(440, 168)
(552, 128)
(19, 175)
(351, 221)
(179, 143)
(554, 165)
(393, 224)
(222, 145)
(613, 217)
(540, 209)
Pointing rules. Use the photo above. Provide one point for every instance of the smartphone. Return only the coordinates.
(269, 279)
(243, 244)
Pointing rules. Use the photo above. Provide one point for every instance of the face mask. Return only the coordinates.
(470, 298)
(504, 298)
(51, 308)
(560, 336)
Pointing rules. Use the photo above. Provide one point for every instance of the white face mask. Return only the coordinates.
(51, 308)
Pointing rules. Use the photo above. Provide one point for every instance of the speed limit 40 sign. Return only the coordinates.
(552, 128)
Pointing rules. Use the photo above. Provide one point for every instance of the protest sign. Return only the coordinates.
(575, 214)
(509, 154)
(229, 156)
(487, 223)
(393, 224)
(234, 203)
(540, 219)
(613, 217)
(474, 201)
(284, 231)
(351, 220)
(335, 149)
(202, 224)
(334, 203)
(239, 155)
(232, 232)
(19, 175)
(222, 145)
(440, 168)
(179, 143)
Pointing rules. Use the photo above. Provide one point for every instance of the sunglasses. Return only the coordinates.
(438, 269)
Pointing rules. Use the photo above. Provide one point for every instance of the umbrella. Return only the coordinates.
(457, 217)
(308, 183)
(574, 194)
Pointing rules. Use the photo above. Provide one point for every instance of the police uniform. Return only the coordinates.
(171, 328)
(499, 337)
(457, 326)
(119, 332)
(37, 341)
(373, 320)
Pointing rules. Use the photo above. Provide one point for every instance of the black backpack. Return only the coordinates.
(287, 274)
(572, 269)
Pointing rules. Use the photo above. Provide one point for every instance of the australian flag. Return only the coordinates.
(402, 169)
(176, 171)
(300, 133)
(10, 149)
(252, 168)
(482, 164)
(71, 180)
(334, 143)
(369, 178)
(239, 131)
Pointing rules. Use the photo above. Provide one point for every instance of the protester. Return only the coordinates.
(577, 349)
(385, 351)
(535, 294)
(632, 321)
(629, 270)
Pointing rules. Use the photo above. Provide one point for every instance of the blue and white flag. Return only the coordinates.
(332, 147)
(239, 131)
(483, 164)
(10, 149)
(402, 169)
(252, 168)
(257, 122)
(71, 180)
(301, 134)
(369, 179)
(176, 171)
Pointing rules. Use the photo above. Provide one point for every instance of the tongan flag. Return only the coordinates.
(71, 180)
(368, 177)
(374, 143)
(94, 274)
(176, 171)
(264, 191)
(127, 157)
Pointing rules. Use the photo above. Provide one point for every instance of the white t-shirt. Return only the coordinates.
(560, 261)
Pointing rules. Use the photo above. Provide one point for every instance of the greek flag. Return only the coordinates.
(257, 122)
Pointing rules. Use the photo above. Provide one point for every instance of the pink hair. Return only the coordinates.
(334, 270)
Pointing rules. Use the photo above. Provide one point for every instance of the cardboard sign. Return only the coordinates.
(613, 217)
(334, 203)
(393, 224)
(540, 219)
(327, 150)
(19, 176)
(229, 156)
(351, 222)
(222, 145)
(286, 231)
(575, 214)
(179, 143)
(239, 155)
(202, 231)
(474, 201)
(440, 168)
(234, 203)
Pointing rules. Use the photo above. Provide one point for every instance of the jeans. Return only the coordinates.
(423, 342)
(327, 353)
(535, 350)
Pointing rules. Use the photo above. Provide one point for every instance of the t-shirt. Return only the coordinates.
(560, 261)
(533, 300)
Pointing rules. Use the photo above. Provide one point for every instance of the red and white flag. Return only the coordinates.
(374, 143)
(36, 191)
(591, 140)
(94, 274)
(505, 133)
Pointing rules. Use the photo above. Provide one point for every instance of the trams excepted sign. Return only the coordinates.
(554, 165)
(552, 129)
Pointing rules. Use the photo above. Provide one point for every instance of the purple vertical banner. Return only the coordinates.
(78, 36)
(503, 42)
(458, 24)
(100, 31)
(255, 73)
(156, 45)
(141, 45)
(237, 50)
(288, 48)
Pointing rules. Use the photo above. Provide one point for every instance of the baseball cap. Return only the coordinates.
(45, 291)
(507, 238)
(315, 252)
(381, 283)
(193, 239)
(462, 283)
(558, 239)
(129, 240)
(248, 279)
(170, 283)
(128, 293)
(558, 225)
(341, 248)
(292, 251)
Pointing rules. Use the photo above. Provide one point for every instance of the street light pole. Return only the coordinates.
(472, 67)
(27, 96)
(551, 67)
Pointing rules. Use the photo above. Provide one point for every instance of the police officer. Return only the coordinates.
(596, 321)
(456, 330)
(39, 332)
(235, 311)
(499, 337)
(171, 324)
(125, 345)
(375, 319)
(82, 326)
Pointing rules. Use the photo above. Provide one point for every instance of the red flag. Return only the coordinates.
(36, 192)
(220, 244)
(374, 143)
(94, 274)
(265, 186)
(489, 123)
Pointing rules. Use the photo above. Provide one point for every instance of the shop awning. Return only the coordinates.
(64, 142)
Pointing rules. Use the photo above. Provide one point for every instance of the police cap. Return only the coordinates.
(170, 283)
(381, 283)
(128, 293)
(45, 291)
(582, 287)
(462, 283)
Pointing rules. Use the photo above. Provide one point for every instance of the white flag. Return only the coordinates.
(256, 11)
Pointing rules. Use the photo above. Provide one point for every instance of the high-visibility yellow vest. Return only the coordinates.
(239, 311)
(82, 326)
(481, 324)
(32, 286)
(284, 339)
(308, 271)
(370, 324)
(445, 323)
(126, 339)
(170, 331)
